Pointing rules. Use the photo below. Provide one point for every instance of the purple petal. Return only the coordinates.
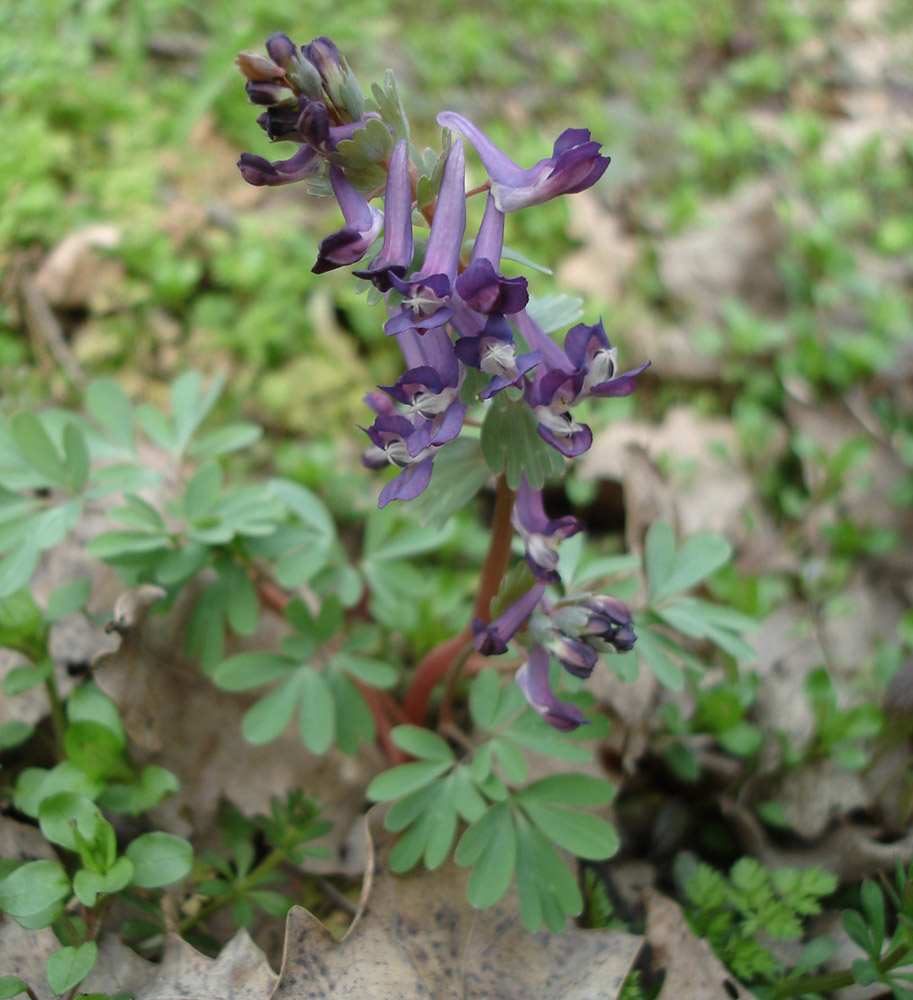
(259, 171)
(485, 291)
(408, 484)
(532, 679)
(396, 252)
(449, 224)
(492, 639)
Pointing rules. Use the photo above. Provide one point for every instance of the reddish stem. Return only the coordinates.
(433, 668)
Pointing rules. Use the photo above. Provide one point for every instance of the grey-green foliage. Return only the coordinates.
(514, 829)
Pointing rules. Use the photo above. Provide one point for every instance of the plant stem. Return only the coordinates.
(433, 668)
(58, 720)
(828, 981)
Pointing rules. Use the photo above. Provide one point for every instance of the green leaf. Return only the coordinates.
(109, 405)
(650, 650)
(546, 888)
(242, 607)
(443, 830)
(140, 515)
(88, 703)
(190, 406)
(484, 695)
(249, 670)
(698, 557)
(460, 471)
(413, 843)
(375, 673)
(232, 437)
(38, 449)
(580, 833)
(305, 505)
(272, 714)
(76, 457)
(33, 887)
(68, 599)
(354, 721)
(67, 967)
(555, 312)
(405, 778)
(16, 569)
(814, 954)
(11, 986)
(114, 544)
(511, 444)
(872, 900)
(87, 884)
(202, 491)
(318, 718)
(659, 555)
(14, 733)
(96, 750)
(490, 846)
(59, 813)
(422, 743)
(159, 859)
(569, 790)
(511, 759)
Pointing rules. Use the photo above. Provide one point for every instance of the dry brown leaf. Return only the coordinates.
(23, 842)
(608, 255)
(733, 254)
(852, 853)
(241, 972)
(692, 970)
(418, 937)
(815, 795)
(75, 275)
(24, 953)
(706, 480)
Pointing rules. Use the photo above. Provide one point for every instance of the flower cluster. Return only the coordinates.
(449, 313)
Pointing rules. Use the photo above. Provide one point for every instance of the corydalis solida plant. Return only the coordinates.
(468, 337)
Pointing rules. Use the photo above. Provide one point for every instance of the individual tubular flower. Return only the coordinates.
(396, 253)
(532, 679)
(575, 164)
(398, 441)
(492, 639)
(541, 535)
(481, 286)
(259, 171)
(492, 351)
(589, 351)
(426, 302)
(363, 225)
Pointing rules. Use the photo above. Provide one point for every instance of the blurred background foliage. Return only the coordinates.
(133, 114)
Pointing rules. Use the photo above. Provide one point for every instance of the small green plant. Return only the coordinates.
(735, 914)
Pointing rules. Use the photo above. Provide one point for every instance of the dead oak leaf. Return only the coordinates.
(417, 937)
(692, 970)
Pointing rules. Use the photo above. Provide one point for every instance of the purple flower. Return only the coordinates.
(401, 443)
(589, 351)
(480, 286)
(541, 536)
(575, 164)
(363, 224)
(396, 253)
(492, 639)
(492, 351)
(532, 679)
(609, 623)
(259, 171)
(427, 293)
